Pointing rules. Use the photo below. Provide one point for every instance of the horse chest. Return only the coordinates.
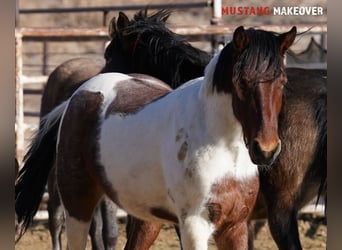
(232, 201)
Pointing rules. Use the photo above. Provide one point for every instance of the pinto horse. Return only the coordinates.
(119, 132)
(297, 175)
(143, 44)
(295, 178)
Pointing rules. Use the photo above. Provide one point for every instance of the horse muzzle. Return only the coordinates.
(262, 155)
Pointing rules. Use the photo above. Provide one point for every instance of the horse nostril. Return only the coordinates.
(265, 155)
(256, 148)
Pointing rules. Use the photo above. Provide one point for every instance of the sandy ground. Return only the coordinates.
(313, 233)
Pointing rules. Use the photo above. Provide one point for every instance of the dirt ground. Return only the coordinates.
(313, 233)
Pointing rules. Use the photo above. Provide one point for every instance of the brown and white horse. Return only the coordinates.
(178, 157)
(143, 44)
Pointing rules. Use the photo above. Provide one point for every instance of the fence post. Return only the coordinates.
(323, 43)
(19, 116)
(105, 16)
(215, 20)
(45, 58)
(217, 12)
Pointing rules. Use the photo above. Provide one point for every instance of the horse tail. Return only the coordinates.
(38, 161)
(321, 150)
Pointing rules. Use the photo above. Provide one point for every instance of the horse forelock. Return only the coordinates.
(261, 61)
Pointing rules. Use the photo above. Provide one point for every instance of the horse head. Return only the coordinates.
(252, 69)
(149, 47)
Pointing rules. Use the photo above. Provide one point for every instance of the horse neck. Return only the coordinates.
(220, 117)
(119, 62)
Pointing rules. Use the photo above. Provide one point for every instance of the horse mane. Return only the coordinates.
(260, 61)
(160, 51)
(263, 57)
(158, 17)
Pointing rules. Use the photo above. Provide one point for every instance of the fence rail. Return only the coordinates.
(117, 8)
(101, 33)
(215, 4)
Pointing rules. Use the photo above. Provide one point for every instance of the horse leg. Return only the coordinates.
(251, 234)
(195, 232)
(77, 232)
(178, 234)
(282, 215)
(283, 225)
(140, 234)
(55, 211)
(104, 229)
(234, 238)
(281, 205)
(110, 231)
(80, 178)
(80, 193)
(95, 230)
(80, 203)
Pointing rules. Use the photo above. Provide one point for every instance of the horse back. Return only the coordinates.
(305, 83)
(78, 148)
(135, 93)
(66, 78)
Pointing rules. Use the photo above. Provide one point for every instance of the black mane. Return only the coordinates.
(260, 61)
(158, 51)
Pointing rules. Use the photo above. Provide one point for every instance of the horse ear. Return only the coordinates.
(166, 15)
(164, 19)
(286, 39)
(112, 31)
(123, 21)
(240, 38)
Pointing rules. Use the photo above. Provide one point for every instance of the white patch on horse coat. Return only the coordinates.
(74, 228)
(195, 236)
(104, 83)
(99, 83)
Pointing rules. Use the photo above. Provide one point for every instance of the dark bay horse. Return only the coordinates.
(169, 58)
(200, 164)
(300, 171)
